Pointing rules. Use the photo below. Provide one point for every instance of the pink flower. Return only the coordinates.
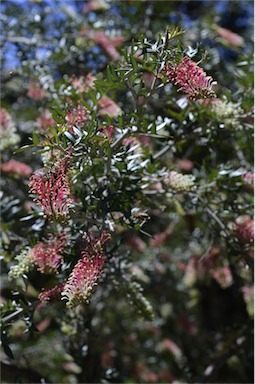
(245, 229)
(5, 120)
(108, 107)
(130, 142)
(45, 121)
(248, 178)
(95, 5)
(107, 133)
(159, 239)
(86, 272)
(53, 190)
(82, 279)
(53, 294)
(170, 345)
(35, 91)
(223, 276)
(48, 256)
(16, 167)
(95, 244)
(191, 79)
(145, 374)
(83, 84)
(8, 136)
(136, 243)
(230, 37)
(108, 44)
(185, 164)
(146, 141)
(77, 116)
(208, 266)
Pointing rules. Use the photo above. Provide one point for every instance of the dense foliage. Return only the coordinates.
(127, 191)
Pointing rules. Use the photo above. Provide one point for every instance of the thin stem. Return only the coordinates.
(14, 314)
(213, 215)
(113, 145)
(161, 152)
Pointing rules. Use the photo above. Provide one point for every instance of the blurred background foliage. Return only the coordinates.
(191, 261)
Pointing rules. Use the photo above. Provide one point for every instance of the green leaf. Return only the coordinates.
(70, 137)
(56, 108)
(35, 138)
(23, 149)
(56, 117)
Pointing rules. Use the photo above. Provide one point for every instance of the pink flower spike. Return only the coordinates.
(230, 37)
(48, 256)
(83, 278)
(95, 244)
(53, 190)
(77, 116)
(87, 271)
(16, 167)
(191, 79)
(108, 107)
(53, 294)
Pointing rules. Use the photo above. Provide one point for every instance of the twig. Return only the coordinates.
(6, 318)
(113, 145)
(161, 152)
(212, 214)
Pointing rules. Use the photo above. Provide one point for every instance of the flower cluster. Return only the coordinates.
(179, 182)
(16, 167)
(35, 91)
(191, 79)
(53, 294)
(133, 292)
(77, 116)
(230, 37)
(223, 276)
(245, 229)
(48, 255)
(248, 178)
(25, 263)
(8, 136)
(53, 190)
(229, 113)
(83, 83)
(106, 132)
(45, 121)
(108, 44)
(95, 5)
(86, 272)
(82, 279)
(159, 238)
(206, 267)
(107, 106)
